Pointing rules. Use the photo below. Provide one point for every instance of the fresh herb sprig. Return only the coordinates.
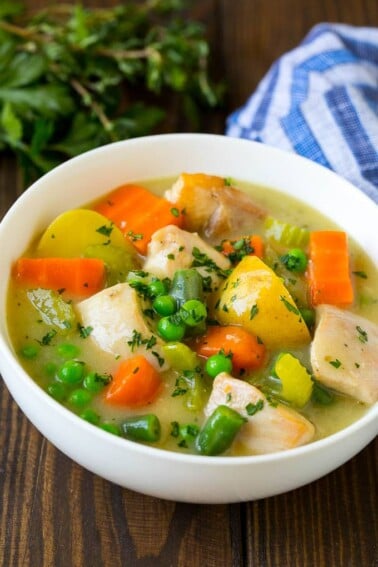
(74, 78)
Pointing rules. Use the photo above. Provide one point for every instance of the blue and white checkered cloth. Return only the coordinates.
(320, 100)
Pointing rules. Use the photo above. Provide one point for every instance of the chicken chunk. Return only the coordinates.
(118, 325)
(344, 353)
(172, 248)
(212, 207)
(270, 429)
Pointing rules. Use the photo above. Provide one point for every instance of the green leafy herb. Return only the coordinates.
(105, 230)
(202, 259)
(251, 409)
(289, 306)
(175, 212)
(360, 274)
(254, 311)
(336, 363)
(47, 338)
(69, 76)
(84, 332)
(362, 335)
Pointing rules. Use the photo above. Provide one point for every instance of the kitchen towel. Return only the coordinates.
(320, 100)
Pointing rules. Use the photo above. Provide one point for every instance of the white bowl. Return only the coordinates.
(175, 476)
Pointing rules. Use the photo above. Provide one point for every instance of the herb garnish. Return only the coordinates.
(105, 230)
(360, 274)
(47, 338)
(251, 409)
(253, 312)
(289, 305)
(336, 363)
(362, 335)
(202, 259)
(84, 332)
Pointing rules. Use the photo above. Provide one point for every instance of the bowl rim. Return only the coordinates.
(245, 460)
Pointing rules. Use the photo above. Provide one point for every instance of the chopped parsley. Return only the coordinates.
(289, 306)
(253, 312)
(228, 397)
(159, 358)
(105, 230)
(227, 181)
(84, 332)
(170, 256)
(134, 236)
(362, 335)
(251, 409)
(335, 363)
(137, 340)
(202, 259)
(175, 212)
(360, 274)
(180, 390)
(46, 339)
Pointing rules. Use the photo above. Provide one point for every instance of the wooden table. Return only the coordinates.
(53, 513)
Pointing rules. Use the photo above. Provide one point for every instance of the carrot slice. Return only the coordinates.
(139, 213)
(135, 383)
(328, 273)
(246, 349)
(76, 276)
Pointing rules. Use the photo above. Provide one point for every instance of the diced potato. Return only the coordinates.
(255, 297)
(72, 232)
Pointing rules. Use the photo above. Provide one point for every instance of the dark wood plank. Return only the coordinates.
(55, 513)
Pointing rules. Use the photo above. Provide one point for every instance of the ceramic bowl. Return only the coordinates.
(152, 471)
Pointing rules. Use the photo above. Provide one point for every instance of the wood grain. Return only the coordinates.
(53, 513)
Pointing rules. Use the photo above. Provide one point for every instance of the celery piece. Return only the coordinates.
(52, 308)
(296, 382)
(118, 261)
(285, 233)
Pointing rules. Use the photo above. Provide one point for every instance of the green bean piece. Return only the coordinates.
(219, 431)
(186, 284)
(142, 428)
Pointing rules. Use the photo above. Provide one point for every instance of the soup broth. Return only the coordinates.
(43, 350)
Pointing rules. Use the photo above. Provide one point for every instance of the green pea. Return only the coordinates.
(142, 428)
(90, 416)
(50, 368)
(80, 398)
(156, 288)
(111, 428)
(57, 391)
(67, 350)
(94, 382)
(218, 363)
(308, 316)
(219, 431)
(164, 305)
(170, 330)
(71, 372)
(29, 351)
(193, 312)
(295, 260)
